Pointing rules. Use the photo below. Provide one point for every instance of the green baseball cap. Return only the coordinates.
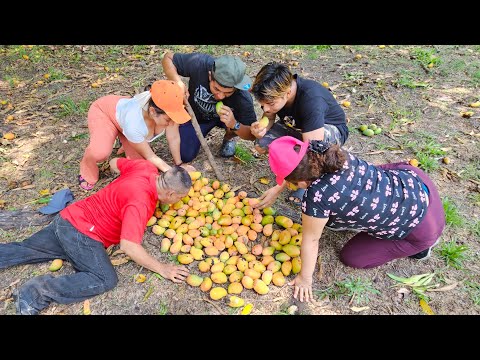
(229, 71)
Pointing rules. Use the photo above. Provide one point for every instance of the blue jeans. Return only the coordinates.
(60, 240)
(189, 143)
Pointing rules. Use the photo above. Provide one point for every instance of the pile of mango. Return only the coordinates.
(236, 246)
(370, 130)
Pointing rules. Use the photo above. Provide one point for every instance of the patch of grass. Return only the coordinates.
(402, 117)
(427, 151)
(357, 289)
(452, 216)
(453, 254)
(244, 154)
(56, 74)
(473, 290)
(475, 229)
(69, 107)
(140, 48)
(472, 171)
(476, 77)
(45, 174)
(427, 163)
(408, 81)
(162, 308)
(475, 198)
(174, 259)
(355, 76)
(79, 136)
(425, 57)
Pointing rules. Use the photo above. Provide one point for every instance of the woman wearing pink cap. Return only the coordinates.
(395, 208)
(136, 121)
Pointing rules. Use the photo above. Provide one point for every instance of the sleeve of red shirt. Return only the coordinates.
(134, 222)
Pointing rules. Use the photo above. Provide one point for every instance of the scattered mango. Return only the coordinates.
(217, 293)
(9, 136)
(236, 302)
(56, 265)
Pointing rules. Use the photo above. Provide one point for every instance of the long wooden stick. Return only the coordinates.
(203, 142)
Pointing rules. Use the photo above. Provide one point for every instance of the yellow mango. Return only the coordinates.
(296, 240)
(183, 229)
(263, 122)
(252, 274)
(269, 211)
(248, 209)
(296, 265)
(226, 187)
(235, 301)
(235, 288)
(229, 269)
(278, 279)
(252, 235)
(228, 208)
(217, 268)
(195, 175)
(276, 235)
(211, 251)
(151, 221)
(185, 259)
(267, 277)
(165, 245)
(206, 284)
(286, 267)
(284, 221)
(249, 257)
(282, 257)
(217, 293)
(259, 267)
(218, 194)
(158, 230)
(219, 277)
(203, 266)
(236, 276)
(230, 195)
(268, 219)
(276, 245)
(232, 250)
(196, 253)
(229, 242)
(285, 237)
(232, 260)
(212, 260)
(291, 250)
(241, 248)
(185, 248)
(260, 287)
(224, 256)
(56, 265)
(247, 309)
(194, 280)
(242, 264)
(237, 212)
(267, 259)
(169, 233)
(256, 227)
(247, 282)
(171, 212)
(274, 266)
(175, 247)
(268, 250)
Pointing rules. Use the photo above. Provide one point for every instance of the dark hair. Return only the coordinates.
(152, 104)
(176, 179)
(272, 81)
(314, 165)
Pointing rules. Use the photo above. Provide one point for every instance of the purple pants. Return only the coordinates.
(365, 251)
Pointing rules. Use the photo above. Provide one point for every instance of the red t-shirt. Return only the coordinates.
(120, 210)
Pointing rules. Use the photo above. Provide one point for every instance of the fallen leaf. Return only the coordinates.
(86, 307)
(446, 288)
(358, 309)
(264, 180)
(140, 278)
(426, 309)
(247, 309)
(44, 192)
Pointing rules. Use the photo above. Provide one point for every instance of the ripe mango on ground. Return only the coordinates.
(56, 265)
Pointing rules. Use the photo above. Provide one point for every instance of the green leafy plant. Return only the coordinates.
(426, 57)
(418, 283)
(473, 290)
(162, 308)
(357, 289)
(244, 154)
(68, 107)
(453, 254)
(452, 216)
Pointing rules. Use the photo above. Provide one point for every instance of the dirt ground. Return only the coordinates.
(419, 107)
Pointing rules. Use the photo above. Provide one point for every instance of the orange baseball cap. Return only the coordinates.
(168, 96)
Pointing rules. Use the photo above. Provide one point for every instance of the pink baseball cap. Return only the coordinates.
(283, 158)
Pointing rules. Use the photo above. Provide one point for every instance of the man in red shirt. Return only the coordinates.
(116, 214)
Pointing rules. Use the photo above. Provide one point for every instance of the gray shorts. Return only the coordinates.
(279, 129)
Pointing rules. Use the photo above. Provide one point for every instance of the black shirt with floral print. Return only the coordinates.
(387, 204)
